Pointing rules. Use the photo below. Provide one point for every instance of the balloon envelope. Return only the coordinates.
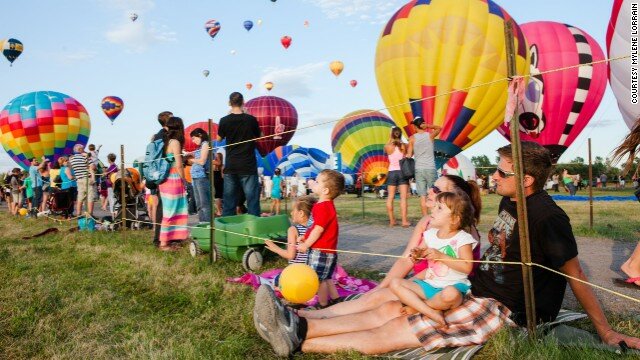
(275, 116)
(558, 105)
(271, 161)
(353, 83)
(306, 162)
(443, 48)
(248, 24)
(189, 145)
(336, 67)
(268, 85)
(360, 137)
(133, 16)
(11, 49)
(286, 41)
(460, 165)
(249, 86)
(41, 123)
(205, 73)
(212, 27)
(618, 45)
(112, 106)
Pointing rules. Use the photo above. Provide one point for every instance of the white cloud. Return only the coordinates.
(292, 82)
(372, 11)
(603, 123)
(137, 37)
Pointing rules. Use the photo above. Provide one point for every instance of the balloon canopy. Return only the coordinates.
(443, 48)
(336, 67)
(189, 145)
(268, 85)
(43, 123)
(112, 106)
(276, 116)
(248, 24)
(306, 162)
(271, 161)
(558, 105)
(353, 83)
(618, 45)
(460, 165)
(360, 137)
(205, 73)
(212, 27)
(11, 49)
(249, 86)
(133, 16)
(286, 41)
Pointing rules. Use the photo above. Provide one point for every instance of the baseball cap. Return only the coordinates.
(418, 120)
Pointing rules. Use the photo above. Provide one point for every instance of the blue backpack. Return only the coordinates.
(156, 166)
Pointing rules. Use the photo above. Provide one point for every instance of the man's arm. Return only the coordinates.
(410, 147)
(313, 237)
(591, 305)
(435, 130)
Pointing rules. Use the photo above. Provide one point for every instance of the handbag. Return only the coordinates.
(408, 168)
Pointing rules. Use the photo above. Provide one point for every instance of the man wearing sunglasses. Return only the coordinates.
(552, 245)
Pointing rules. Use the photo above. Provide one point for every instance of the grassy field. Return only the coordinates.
(105, 295)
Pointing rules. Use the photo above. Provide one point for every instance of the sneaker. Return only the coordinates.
(274, 322)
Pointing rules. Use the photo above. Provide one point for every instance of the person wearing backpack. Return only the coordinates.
(200, 174)
(153, 189)
(240, 167)
(173, 229)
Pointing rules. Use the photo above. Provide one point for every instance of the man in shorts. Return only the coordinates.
(81, 167)
(421, 148)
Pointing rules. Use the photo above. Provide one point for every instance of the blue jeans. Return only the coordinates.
(202, 195)
(233, 183)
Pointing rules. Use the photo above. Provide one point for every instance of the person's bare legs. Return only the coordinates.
(391, 194)
(395, 334)
(404, 207)
(631, 267)
(368, 301)
(411, 294)
(323, 293)
(365, 320)
(423, 205)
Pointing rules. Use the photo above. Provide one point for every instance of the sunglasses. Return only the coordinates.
(504, 174)
(436, 190)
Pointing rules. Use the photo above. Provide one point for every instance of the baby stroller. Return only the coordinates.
(135, 209)
(60, 202)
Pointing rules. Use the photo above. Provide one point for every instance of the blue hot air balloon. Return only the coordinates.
(248, 24)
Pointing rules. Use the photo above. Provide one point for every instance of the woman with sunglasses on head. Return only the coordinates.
(404, 265)
(396, 150)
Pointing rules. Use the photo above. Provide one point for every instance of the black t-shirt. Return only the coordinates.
(241, 158)
(552, 245)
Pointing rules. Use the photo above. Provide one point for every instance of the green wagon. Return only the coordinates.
(239, 237)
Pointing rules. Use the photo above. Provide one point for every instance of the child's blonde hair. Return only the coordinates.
(461, 207)
(305, 204)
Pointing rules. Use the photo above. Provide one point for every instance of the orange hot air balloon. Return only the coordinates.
(336, 67)
(353, 83)
(249, 86)
(268, 85)
(286, 41)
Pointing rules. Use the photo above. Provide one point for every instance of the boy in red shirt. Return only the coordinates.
(321, 239)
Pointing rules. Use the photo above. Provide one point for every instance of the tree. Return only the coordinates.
(483, 165)
(577, 160)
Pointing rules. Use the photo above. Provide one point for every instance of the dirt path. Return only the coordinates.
(600, 258)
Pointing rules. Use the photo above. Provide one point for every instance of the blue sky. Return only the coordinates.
(90, 49)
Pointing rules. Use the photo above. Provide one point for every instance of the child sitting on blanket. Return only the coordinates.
(446, 240)
(300, 214)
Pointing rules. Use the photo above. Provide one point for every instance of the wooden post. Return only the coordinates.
(212, 191)
(123, 202)
(362, 191)
(590, 189)
(523, 226)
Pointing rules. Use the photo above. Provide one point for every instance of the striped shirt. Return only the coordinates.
(79, 165)
(301, 257)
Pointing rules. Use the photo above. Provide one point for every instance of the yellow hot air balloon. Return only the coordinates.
(336, 67)
(443, 46)
(268, 85)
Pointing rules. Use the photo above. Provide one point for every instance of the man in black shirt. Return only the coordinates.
(240, 168)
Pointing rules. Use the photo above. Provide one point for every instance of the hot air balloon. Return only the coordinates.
(277, 117)
(11, 49)
(360, 137)
(212, 27)
(417, 57)
(133, 16)
(336, 67)
(268, 85)
(558, 105)
(618, 45)
(205, 73)
(43, 123)
(306, 23)
(233, 52)
(112, 106)
(353, 83)
(259, 22)
(460, 165)
(271, 161)
(248, 24)
(250, 85)
(306, 162)
(189, 146)
(286, 41)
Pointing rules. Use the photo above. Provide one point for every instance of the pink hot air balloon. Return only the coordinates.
(618, 45)
(353, 83)
(559, 104)
(275, 116)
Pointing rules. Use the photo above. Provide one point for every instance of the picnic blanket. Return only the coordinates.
(347, 285)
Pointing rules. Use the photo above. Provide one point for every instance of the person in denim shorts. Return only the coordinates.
(395, 150)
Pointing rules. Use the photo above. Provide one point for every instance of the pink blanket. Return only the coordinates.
(346, 285)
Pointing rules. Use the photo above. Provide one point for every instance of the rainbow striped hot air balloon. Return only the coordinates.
(444, 47)
(41, 123)
(360, 137)
(112, 106)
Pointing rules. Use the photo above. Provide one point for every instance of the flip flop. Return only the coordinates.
(629, 282)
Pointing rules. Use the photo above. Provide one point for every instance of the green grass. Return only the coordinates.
(112, 295)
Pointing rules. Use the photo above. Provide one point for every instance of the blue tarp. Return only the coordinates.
(595, 198)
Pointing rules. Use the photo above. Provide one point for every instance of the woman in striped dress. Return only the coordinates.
(173, 229)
